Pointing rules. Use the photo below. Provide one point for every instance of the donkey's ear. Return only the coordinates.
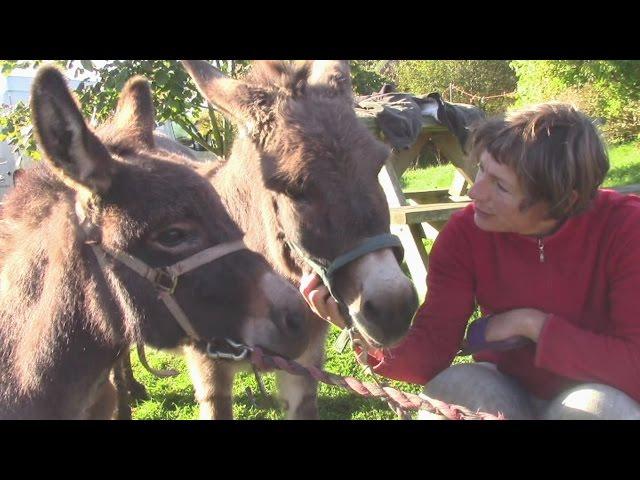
(135, 114)
(63, 135)
(335, 75)
(234, 98)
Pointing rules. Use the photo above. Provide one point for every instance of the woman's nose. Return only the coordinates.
(475, 192)
(480, 188)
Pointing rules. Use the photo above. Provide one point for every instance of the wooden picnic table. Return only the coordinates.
(422, 214)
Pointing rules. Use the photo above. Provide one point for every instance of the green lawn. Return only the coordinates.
(624, 170)
(625, 165)
(173, 398)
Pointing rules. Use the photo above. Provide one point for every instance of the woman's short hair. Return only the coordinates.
(554, 150)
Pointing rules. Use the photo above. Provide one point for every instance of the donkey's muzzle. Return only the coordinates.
(387, 318)
(293, 330)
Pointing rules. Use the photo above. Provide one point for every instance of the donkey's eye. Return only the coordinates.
(294, 193)
(172, 237)
(297, 190)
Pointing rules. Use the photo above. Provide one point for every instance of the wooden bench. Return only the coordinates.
(431, 213)
(437, 206)
(439, 195)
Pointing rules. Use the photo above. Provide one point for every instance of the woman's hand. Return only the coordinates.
(526, 322)
(320, 300)
(325, 306)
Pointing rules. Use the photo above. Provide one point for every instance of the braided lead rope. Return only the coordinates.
(361, 358)
(405, 400)
(400, 412)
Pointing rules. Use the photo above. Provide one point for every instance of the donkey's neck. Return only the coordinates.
(55, 343)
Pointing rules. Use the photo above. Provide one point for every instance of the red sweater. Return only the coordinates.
(589, 282)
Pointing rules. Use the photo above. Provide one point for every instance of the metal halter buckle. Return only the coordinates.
(215, 354)
(165, 281)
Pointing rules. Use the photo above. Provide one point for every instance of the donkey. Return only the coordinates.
(111, 242)
(301, 181)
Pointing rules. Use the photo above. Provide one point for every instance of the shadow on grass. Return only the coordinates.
(350, 406)
(339, 407)
(172, 399)
(343, 407)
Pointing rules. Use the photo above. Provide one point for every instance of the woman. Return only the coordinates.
(554, 265)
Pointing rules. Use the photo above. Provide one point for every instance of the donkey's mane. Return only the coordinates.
(43, 279)
(315, 117)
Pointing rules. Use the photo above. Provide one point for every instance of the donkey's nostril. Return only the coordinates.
(290, 322)
(370, 310)
(387, 318)
(294, 323)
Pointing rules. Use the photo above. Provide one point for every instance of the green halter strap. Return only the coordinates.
(326, 270)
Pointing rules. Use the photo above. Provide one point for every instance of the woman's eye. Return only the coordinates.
(172, 237)
(501, 188)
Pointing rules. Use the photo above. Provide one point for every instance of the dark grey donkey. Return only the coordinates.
(301, 181)
(109, 242)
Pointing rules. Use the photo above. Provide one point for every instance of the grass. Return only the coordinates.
(430, 178)
(624, 170)
(173, 398)
(625, 165)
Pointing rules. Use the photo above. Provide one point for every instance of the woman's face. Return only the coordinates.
(497, 195)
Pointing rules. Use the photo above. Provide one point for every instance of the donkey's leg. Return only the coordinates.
(118, 378)
(104, 406)
(213, 382)
(137, 391)
(300, 393)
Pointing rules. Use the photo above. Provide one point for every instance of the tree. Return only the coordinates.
(367, 76)
(604, 89)
(174, 93)
(15, 123)
(478, 79)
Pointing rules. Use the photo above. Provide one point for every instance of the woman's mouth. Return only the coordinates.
(481, 212)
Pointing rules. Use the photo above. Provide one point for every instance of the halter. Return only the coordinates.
(326, 269)
(163, 279)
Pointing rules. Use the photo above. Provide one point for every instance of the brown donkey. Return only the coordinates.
(111, 242)
(301, 181)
